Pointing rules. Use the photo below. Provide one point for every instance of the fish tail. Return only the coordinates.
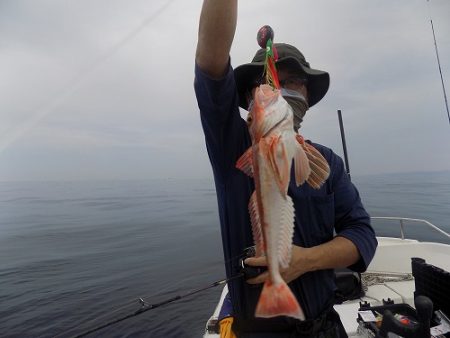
(278, 300)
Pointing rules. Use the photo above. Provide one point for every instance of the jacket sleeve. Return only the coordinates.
(351, 219)
(225, 131)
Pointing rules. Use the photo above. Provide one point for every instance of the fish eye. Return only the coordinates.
(249, 118)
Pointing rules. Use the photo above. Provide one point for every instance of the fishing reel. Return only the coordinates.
(247, 270)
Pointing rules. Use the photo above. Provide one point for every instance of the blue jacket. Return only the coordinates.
(336, 208)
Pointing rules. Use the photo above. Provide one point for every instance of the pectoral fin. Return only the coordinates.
(301, 163)
(320, 170)
(245, 162)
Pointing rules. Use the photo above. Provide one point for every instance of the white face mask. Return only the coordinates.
(286, 92)
(298, 104)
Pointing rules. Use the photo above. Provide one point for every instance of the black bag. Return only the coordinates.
(348, 285)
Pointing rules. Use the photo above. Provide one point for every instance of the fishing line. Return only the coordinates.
(14, 133)
(439, 63)
(145, 306)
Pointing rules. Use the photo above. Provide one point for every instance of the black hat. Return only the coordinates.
(246, 75)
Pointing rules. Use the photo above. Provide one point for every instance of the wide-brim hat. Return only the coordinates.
(246, 75)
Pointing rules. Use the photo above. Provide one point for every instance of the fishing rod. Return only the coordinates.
(147, 307)
(439, 63)
(246, 271)
(344, 145)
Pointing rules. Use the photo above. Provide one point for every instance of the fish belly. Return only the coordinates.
(277, 217)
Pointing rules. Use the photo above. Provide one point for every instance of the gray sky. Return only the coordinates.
(103, 89)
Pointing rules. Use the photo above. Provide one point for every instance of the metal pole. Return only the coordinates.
(344, 145)
(402, 231)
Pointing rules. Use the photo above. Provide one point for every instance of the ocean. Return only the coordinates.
(74, 255)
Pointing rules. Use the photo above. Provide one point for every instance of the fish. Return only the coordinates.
(275, 148)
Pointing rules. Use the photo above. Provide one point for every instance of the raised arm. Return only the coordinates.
(215, 36)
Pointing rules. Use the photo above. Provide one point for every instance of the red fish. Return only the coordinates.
(275, 148)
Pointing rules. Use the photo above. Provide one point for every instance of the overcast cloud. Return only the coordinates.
(103, 89)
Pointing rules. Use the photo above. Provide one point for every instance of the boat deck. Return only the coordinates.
(393, 260)
(389, 275)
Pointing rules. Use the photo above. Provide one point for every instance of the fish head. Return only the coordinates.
(268, 111)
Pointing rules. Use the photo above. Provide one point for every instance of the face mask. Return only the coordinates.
(298, 104)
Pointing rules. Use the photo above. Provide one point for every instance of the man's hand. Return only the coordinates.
(296, 268)
(340, 252)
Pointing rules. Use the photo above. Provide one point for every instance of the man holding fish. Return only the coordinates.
(289, 197)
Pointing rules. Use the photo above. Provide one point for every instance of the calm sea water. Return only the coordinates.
(76, 254)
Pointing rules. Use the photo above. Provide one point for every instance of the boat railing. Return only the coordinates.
(403, 219)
